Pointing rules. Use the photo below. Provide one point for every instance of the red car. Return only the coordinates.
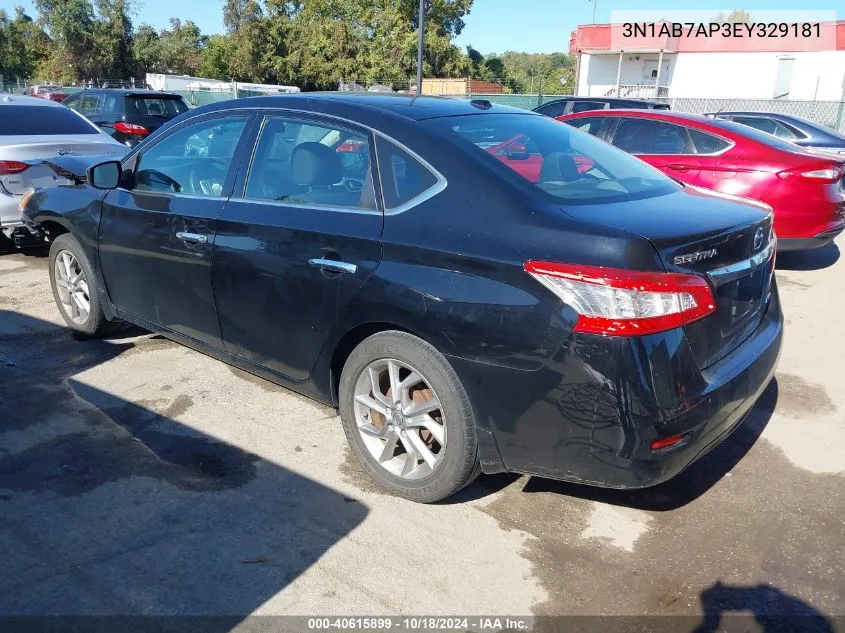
(805, 190)
(53, 93)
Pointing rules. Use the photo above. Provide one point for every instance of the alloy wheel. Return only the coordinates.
(72, 287)
(400, 419)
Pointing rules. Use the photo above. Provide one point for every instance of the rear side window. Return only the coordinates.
(311, 163)
(42, 121)
(155, 106)
(570, 166)
(584, 106)
(91, 104)
(707, 143)
(403, 177)
(758, 123)
(644, 136)
(588, 124)
(554, 109)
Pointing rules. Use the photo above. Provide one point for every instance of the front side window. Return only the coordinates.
(312, 164)
(194, 160)
(572, 167)
(645, 136)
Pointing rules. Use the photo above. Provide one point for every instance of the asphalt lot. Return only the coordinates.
(140, 477)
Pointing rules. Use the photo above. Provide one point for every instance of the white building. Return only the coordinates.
(687, 67)
(158, 81)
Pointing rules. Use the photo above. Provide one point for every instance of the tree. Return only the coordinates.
(112, 36)
(70, 25)
(23, 44)
(181, 47)
(737, 16)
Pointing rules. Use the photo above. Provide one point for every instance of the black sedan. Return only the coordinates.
(790, 128)
(383, 254)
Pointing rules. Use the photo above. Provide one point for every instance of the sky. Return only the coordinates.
(493, 26)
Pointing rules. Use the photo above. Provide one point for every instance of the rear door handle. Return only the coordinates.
(193, 238)
(678, 167)
(334, 266)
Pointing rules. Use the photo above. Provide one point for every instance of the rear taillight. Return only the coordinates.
(12, 167)
(131, 128)
(827, 175)
(614, 302)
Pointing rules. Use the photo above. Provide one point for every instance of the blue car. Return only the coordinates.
(790, 128)
(603, 325)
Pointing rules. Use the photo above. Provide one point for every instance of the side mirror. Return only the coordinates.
(104, 175)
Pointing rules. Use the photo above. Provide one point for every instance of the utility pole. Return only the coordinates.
(595, 4)
(421, 30)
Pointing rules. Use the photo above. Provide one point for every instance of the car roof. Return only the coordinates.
(27, 100)
(606, 100)
(132, 92)
(407, 106)
(666, 115)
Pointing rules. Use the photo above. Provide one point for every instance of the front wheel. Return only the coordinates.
(408, 418)
(75, 288)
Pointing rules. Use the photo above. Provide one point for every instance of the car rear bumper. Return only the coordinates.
(591, 414)
(10, 213)
(807, 243)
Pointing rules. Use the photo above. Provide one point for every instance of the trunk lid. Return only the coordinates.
(728, 241)
(35, 151)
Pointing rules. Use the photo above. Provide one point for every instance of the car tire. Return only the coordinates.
(66, 251)
(6, 244)
(428, 383)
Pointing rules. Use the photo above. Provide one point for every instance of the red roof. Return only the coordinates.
(595, 38)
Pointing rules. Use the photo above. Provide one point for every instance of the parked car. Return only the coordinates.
(47, 91)
(129, 116)
(794, 129)
(31, 131)
(805, 190)
(606, 326)
(570, 105)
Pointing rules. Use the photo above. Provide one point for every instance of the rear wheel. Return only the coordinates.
(74, 288)
(408, 418)
(6, 243)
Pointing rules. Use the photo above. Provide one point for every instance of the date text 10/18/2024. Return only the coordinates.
(419, 623)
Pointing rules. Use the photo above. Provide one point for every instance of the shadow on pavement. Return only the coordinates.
(814, 259)
(773, 610)
(691, 483)
(109, 508)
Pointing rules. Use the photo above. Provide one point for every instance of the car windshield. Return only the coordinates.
(568, 164)
(18, 120)
(42, 90)
(156, 105)
(755, 135)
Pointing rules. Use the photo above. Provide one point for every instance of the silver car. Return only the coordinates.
(32, 131)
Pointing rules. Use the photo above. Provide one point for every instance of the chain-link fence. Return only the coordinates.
(829, 113)
(515, 94)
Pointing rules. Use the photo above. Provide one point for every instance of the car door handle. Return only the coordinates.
(193, 238)
(334, 266)
(678, 167)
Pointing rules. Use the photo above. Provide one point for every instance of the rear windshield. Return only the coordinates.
(568, 164)
(156, 105)
(20, 120)
(754, 134)
(43, 90)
